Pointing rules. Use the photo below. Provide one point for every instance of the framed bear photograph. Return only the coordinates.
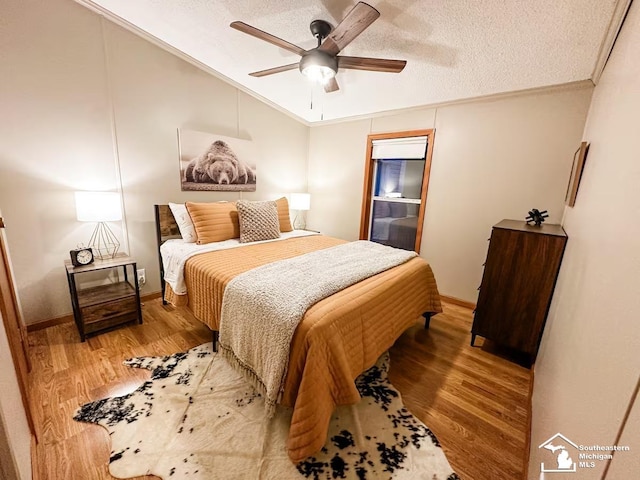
(215, 162)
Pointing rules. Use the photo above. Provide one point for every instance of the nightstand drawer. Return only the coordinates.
(103, 311)
(108, 322)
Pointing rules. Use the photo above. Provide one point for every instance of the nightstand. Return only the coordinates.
(104, 306)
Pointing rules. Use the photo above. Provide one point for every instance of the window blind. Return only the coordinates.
(404, 148)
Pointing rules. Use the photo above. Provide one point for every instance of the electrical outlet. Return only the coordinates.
(142, 277)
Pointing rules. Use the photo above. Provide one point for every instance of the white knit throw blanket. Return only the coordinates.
(261, 308)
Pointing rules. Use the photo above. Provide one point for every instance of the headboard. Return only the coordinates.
(166, 228)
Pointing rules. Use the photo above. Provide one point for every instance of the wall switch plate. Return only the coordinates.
(142, 277)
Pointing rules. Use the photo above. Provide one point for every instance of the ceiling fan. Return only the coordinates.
(322, 63)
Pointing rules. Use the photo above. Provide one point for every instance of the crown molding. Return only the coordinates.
(577, 85)
(617, 20)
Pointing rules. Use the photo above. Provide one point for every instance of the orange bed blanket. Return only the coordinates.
(338, 338)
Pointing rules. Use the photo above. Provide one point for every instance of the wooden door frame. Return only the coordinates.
(15, 329)
(365, 219)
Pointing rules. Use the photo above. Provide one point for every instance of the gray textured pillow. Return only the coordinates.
(398, 210)
(258, 220)
(381, 209)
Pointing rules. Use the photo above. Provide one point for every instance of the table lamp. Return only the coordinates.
(300, 202)
(100, 207)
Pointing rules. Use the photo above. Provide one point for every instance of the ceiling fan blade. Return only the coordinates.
(372, 64)
(356, 21)
(271, 71)
(267, 37)
(331, 85)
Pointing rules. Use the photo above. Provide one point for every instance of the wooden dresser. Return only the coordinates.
(520, 274)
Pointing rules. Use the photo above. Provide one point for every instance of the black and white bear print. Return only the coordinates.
(219, 165)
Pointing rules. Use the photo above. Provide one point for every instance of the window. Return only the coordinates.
(396, 180)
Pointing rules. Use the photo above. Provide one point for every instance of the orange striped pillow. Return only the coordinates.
(282, 204)
(214, 222)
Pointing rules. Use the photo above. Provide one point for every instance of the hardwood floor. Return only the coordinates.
(474, 400)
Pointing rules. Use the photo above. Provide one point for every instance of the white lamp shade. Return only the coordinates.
(300, 201)
(98, 207)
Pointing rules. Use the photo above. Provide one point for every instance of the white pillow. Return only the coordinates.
(185, 225)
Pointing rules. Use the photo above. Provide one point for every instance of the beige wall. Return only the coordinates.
(336, 176)
(493, 159)
(63, 72)
(154, 93)
(15, 447)
(589, 363)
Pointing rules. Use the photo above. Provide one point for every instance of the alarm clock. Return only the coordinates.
(81, 256)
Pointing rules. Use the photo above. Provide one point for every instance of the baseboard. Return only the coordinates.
(527, 448)
(35, 475)
(33, 327)
(150, 296)
(459, 302)
(52, 322)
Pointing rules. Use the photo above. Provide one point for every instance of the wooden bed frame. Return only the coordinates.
(167, 228)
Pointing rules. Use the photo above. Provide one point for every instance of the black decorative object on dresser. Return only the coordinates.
(517, 285)
(105, 306)
(537, 217)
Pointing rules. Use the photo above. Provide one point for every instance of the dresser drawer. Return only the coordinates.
(103, 311)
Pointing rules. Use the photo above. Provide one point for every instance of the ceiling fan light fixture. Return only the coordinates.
(318, 66)
(318, 73)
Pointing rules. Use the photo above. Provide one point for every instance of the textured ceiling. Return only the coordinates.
(454, 49)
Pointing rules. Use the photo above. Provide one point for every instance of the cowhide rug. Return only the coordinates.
(198, 419)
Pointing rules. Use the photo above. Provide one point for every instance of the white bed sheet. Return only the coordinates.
(176, 252)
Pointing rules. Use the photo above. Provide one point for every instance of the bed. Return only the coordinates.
(396, 232)
(394, 224)
(338, 337)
